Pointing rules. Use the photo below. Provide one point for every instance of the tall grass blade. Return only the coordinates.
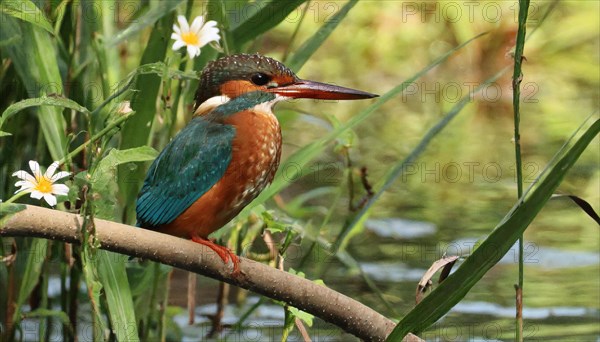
(36, 254)
(94, 288)
(516, 85)
(227, 14)
(262, 20)
(308, 48)
(27, 11)
(112, 274)
(162, 9)
(109, 55)
(39, 74)
(111, 266)
(458, 284)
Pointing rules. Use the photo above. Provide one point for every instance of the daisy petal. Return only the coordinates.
(60, 189)
(183, 24)
(196, 51)
(23, 190)
(51, 199)
(193, 51)
(210, 23)
(197, 24)
(24, 185)
(212, 31)
(60, 175)
(36, 194)
(24, 175)
(209, 33)
(176, 36)
(51, 169)
(35, 168)
(210, 26)
(19, 174)
(178, 45)
(176, 29)
(208, 37)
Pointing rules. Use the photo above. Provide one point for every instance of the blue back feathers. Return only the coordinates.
(186, 169)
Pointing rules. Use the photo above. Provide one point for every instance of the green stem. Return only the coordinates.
(152, 300)
(288, 324)
(63, 286)
(240, 323)
(175, 103)
(295, 33)
(115, 95)
(97, 136)
(45, 323)
(517, 78)
(16, 197)
(225, 33)
(162, 326)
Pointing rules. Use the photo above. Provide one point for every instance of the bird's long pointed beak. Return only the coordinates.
(304, 89)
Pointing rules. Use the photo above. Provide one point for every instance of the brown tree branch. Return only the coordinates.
(331, 306)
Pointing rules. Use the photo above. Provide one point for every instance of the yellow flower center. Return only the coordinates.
(190, 38)
(44, 185)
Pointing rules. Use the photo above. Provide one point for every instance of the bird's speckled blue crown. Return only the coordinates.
(236, 67)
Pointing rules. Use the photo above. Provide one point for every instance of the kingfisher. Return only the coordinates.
(229, 151)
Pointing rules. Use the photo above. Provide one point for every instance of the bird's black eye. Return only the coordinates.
(260, 79)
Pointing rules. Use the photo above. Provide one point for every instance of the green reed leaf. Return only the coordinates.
(498, 243)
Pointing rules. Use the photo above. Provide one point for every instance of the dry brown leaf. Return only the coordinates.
(446, 263)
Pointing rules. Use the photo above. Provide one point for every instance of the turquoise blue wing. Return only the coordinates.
(186, 169)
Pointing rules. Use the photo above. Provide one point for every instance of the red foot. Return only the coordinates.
(225, 253)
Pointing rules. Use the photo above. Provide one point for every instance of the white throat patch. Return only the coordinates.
(267, 107)
(211, 104)
(215, 101)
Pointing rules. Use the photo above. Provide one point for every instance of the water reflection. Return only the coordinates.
(541, 256)
(485, 308)
(398, 228)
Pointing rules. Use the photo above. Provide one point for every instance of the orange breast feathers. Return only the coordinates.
(255, 158)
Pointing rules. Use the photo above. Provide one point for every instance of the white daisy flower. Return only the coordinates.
(195, 36)
(42, 185)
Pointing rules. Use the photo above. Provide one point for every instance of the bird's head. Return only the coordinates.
(235, 75)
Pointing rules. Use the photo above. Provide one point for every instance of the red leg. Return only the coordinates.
(224, 253)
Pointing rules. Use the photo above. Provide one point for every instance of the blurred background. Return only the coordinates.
(465, 182)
